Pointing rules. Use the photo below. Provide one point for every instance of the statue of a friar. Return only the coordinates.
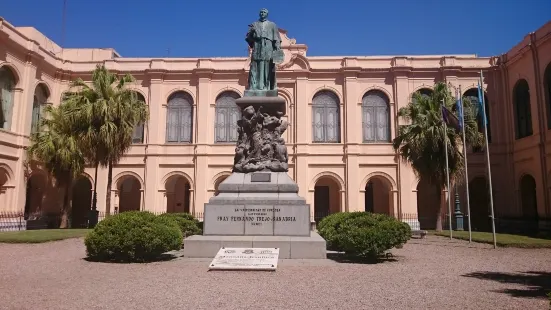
(264, 40)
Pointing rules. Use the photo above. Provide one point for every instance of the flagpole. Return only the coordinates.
(447, 174)
(488, 163)
(465, 160)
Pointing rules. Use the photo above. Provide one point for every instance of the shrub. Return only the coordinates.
(186, 222)
(183, 215)
(133, 236)
(363, 234)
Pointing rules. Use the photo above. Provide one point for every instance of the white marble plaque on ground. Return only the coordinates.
(245, 259)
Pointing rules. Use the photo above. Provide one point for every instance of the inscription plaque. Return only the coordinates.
(257, 220)
(245, 259)
(261, 177)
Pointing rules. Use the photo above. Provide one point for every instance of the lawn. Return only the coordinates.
(40, 236)
(502, 240)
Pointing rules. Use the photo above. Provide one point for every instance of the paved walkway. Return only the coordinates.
(431, 273)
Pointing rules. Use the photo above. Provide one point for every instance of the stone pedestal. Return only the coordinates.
(258, 205)
(258, 209)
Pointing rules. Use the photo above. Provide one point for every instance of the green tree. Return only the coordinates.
(420, 142)
(108, 112)
(56, 146)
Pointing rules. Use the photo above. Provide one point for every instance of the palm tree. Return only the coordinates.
(108, 111)
(57, 146)
(421, 141)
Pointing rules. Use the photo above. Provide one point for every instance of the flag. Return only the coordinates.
(450, 119)
(481, 108)
(459, 107)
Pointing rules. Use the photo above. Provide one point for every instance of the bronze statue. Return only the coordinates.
(264, 40)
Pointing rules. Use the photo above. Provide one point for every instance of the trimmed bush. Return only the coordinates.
(183, 215)
(186, 222)
(134, 236)
(363, 234)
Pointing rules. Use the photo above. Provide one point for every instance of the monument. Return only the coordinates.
(258, 205)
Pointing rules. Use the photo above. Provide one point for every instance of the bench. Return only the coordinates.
(421, 233)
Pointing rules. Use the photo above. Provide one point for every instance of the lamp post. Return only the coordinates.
(457, 213)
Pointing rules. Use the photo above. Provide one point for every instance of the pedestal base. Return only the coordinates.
(312, 247)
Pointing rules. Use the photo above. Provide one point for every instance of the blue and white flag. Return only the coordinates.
(459, 108)
(481, 108)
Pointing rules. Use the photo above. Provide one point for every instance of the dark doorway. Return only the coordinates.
(82, 200)
(321, 202)
(369, 200)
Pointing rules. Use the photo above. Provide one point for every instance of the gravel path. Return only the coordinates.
(431, 273)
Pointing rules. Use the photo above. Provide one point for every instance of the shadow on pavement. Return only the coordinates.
(537, 283)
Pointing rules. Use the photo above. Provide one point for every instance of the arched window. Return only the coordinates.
(40, 97)
(7, 84)
(547, 91)
(325, 117)
(425, 92)
(375, 117)
(179, 120)
(227, 115)
(138, 134)
(472, 95)
(521, 108)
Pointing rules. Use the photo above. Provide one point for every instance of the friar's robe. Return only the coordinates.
(263, 43)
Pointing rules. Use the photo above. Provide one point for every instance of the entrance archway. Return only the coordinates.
(130, 197)
(377, 196)
(478, 200)
(4, 180)
(36, 188)
(177, 194)
(82, 201)
(326, 198)
(528, 196)
(428, 204)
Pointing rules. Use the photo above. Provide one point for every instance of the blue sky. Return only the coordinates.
(216, 28)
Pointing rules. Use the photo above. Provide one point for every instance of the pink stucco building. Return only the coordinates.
(342, 115)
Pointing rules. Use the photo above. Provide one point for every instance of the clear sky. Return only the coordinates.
(216, 28)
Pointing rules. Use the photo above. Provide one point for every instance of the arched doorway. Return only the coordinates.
(529, 203)
(428, 204)
(326, 197)
(528, 197)
(377, 196)
(177, 194)
(82, 201)
(217, 183)
(36, 188)
(479, 203)
(4, 179)
(130, 196)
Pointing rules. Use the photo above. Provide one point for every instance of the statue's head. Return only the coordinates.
(263, 14)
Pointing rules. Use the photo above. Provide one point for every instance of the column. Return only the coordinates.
(155, 138)
(351, 137)
(393, 199)
(116, 203)
(142, 201)
(303, 136)
(19, 181)
(344, 206)
(412, 218)
(191, 200)
(163, 207)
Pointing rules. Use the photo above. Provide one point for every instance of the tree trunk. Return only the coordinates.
(439, 209)
(109, 182)
(66, 205)
(95, 194)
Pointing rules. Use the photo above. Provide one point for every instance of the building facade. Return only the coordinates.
(342, 115)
